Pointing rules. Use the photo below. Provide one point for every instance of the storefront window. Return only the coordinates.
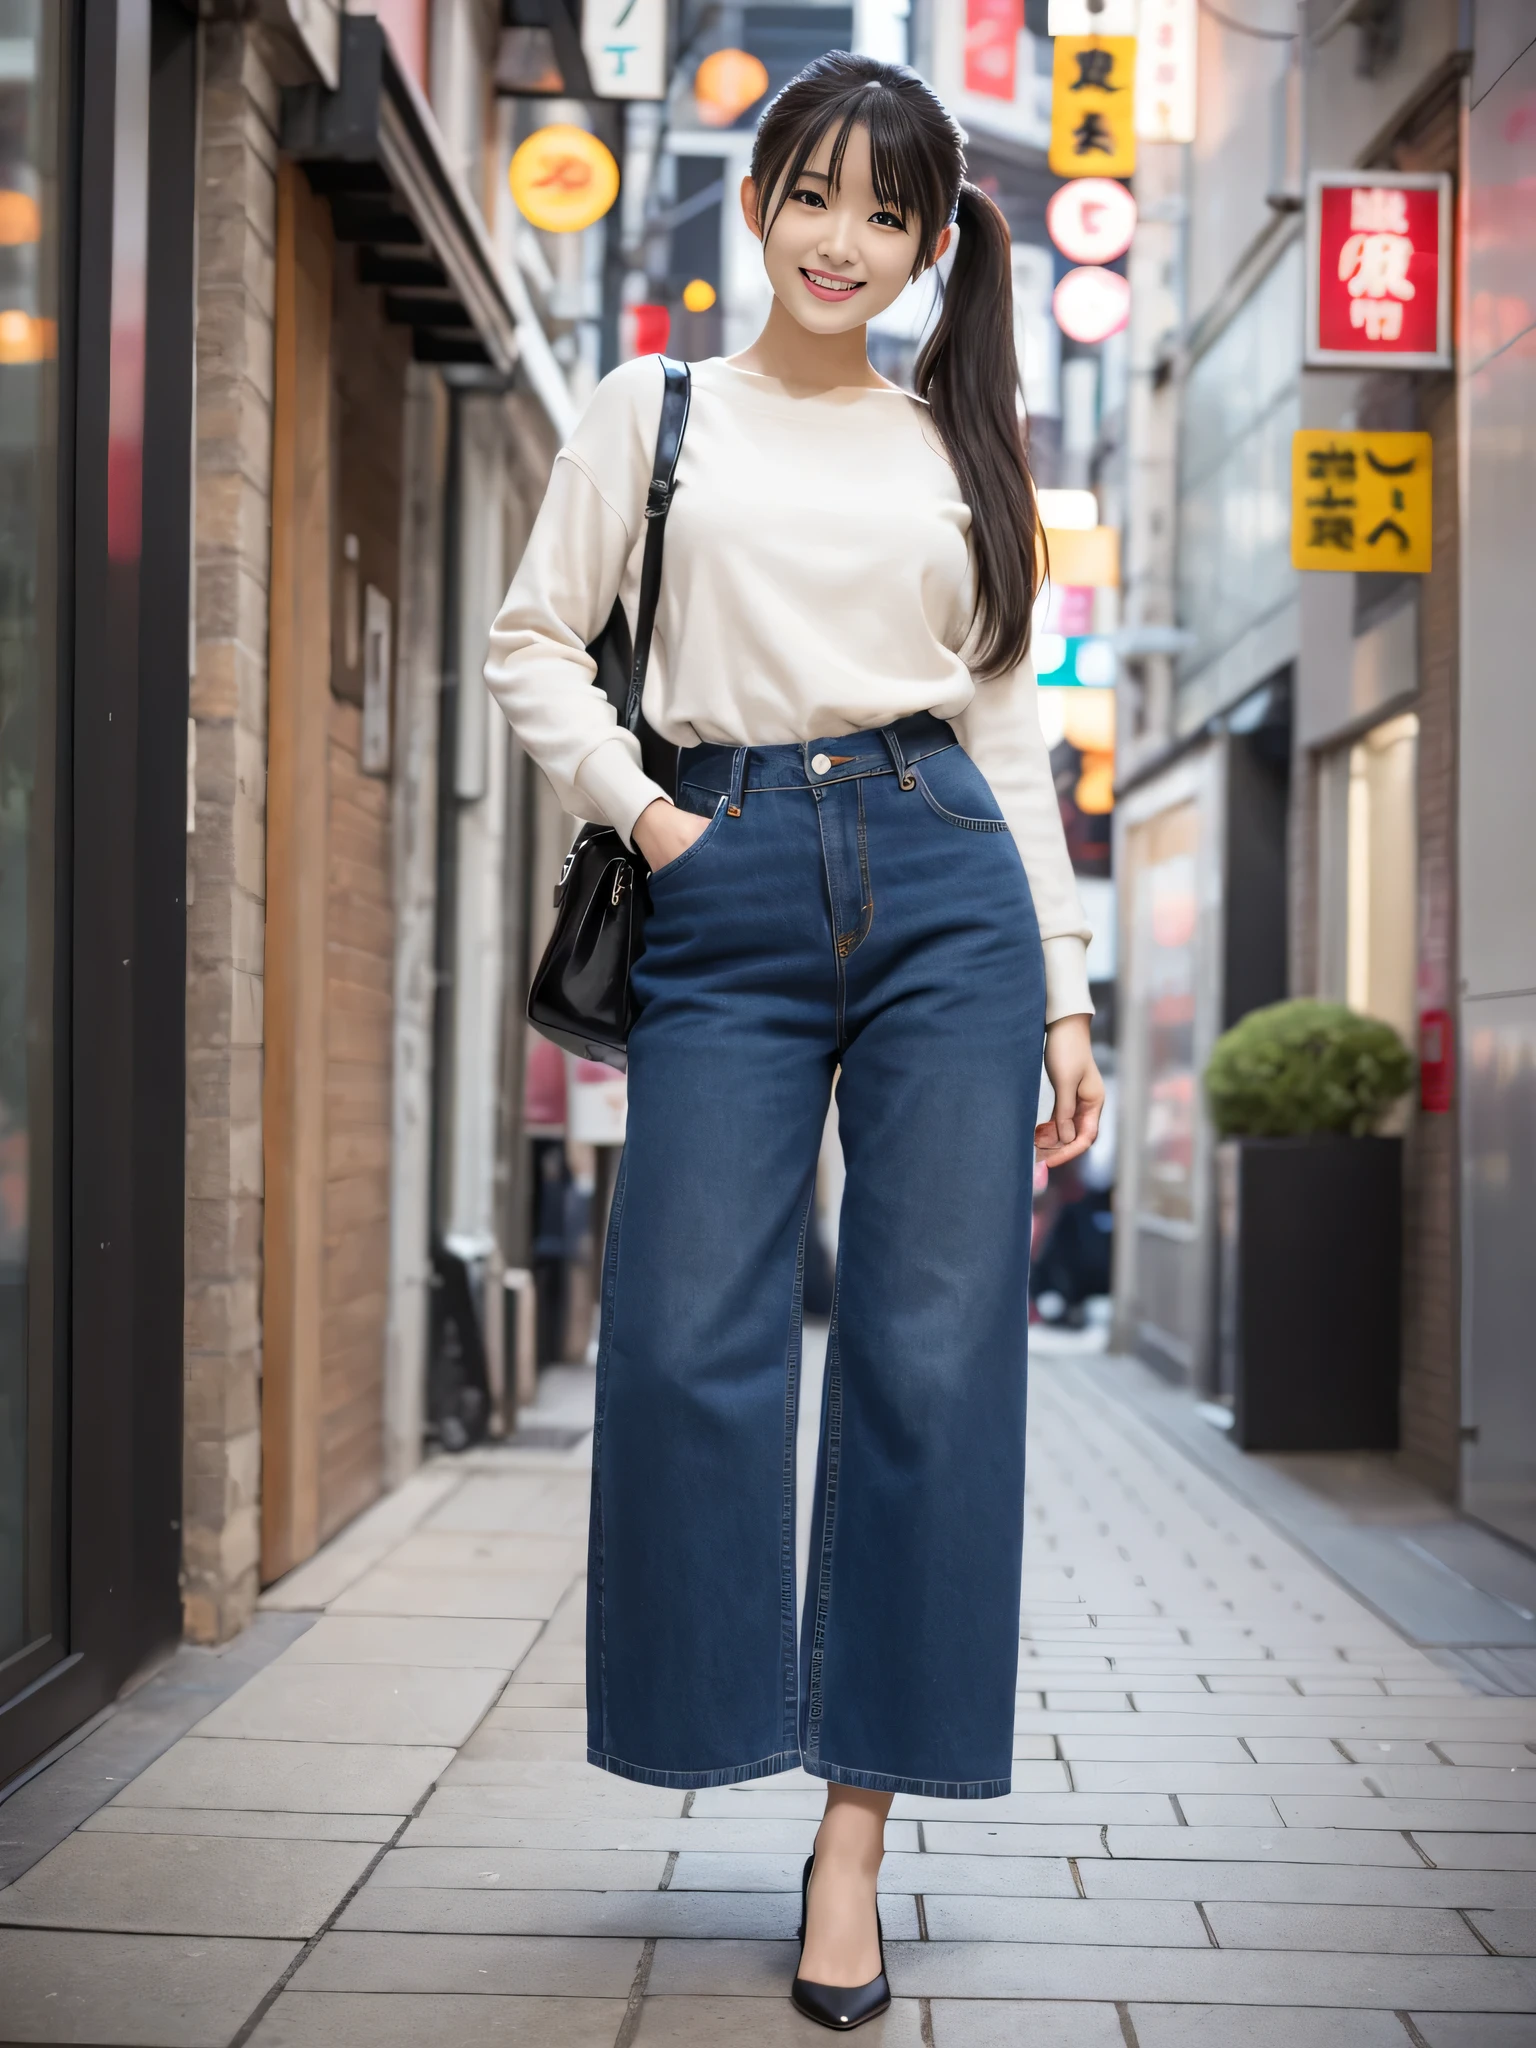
(1241, 407)
(29, 113)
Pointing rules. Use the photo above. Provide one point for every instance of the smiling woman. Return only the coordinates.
(860, 875)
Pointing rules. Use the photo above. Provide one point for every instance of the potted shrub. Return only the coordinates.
(1310, 1226)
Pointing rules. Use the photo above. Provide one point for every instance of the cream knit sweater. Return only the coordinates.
(816, 581)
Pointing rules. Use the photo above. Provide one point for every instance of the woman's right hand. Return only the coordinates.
(663, 832)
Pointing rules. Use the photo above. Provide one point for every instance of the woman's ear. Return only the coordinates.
(941, 246)
(749, 207)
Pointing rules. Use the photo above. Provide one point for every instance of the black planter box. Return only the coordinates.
(1311, 1275)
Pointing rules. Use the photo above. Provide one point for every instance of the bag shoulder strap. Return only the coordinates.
(676, 392)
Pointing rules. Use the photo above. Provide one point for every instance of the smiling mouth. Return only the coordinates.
(825, 286)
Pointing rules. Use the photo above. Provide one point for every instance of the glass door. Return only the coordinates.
(31, 1439)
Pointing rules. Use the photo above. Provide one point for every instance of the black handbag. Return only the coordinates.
(581, 995)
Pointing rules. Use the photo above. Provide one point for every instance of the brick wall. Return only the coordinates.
(226, 852)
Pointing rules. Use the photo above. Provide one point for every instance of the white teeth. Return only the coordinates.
(830, 284)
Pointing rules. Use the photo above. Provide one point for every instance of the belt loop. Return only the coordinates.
(738, 781)
(904, 774)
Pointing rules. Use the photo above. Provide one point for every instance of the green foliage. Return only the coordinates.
(1305, 1066)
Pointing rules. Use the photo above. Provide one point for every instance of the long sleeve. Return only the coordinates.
(573, 567)
(1000, 730)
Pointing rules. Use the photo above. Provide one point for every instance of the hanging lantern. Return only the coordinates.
(563, 179)
(1091, 304)
(726, 84)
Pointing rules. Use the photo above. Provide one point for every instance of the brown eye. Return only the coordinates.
(889, 220)
(809, 198)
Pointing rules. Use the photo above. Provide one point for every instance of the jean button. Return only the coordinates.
(820, 763)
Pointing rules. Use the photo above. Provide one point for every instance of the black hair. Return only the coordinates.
(967, 369)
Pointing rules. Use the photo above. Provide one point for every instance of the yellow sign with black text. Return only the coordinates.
(1093, 107)
(1361, 500)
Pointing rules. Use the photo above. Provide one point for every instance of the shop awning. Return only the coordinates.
(374, 150)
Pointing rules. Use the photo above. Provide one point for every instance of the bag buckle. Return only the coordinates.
(658, 498)
(620, 884)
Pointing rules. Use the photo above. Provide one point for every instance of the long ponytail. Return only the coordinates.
(968, 372)
(968, 368)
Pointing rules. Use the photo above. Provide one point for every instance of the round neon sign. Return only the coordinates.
(563, 179)
(1091, 220)
(1091, 304)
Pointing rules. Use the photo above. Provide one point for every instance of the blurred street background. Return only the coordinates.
(300, 1224)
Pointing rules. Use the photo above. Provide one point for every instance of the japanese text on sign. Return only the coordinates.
(1093, 106)
(1165, 71)
(1361, 501)
(625, 43)
(1378, 269)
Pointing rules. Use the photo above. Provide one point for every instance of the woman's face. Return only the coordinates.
(836, 258)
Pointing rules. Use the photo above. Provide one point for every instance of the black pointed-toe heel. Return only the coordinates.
(841, 2006)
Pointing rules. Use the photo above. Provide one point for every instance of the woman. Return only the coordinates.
(860, 875)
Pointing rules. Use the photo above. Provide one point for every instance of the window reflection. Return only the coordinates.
(28, 412)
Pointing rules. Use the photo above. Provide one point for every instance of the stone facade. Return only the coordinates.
(226, 854)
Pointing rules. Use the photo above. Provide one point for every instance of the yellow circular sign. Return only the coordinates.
(563, 179)
(698, 295)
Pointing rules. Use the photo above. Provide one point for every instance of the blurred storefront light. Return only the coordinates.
(1074, 661)
(1091, 220)
(698, 295)
(26, 339)
(1068, 511)
(645, 330)
(21, 219)
(1091, 304)
(726, 84)
(563, 179)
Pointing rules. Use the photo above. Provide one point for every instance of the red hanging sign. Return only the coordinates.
(1379, 269)
(992, 30)
(1436, 1061)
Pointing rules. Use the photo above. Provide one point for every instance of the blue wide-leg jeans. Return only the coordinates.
(856, 908)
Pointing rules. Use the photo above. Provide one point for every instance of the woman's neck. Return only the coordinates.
(808, 362)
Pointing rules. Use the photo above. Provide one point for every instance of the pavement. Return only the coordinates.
(1248, 1809)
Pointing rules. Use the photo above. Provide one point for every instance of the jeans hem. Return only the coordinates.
(917, 1788)
(695, 1781)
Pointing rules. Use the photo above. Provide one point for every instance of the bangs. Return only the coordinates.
(902, 170)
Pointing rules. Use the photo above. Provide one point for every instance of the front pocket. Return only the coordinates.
(965, 785)
(664, 874)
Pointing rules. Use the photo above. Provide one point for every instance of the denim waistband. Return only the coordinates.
(886, 750)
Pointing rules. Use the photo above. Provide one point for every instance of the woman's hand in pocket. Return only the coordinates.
(663, 833)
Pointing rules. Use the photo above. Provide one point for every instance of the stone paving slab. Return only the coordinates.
(1307, 1883)
(540, 1966)
(1209, 1976)
(186, 1884)
(1223, 2026)
(289, 1777)
(253, 1825)
(424, 1641)
(769, 2022)
(1117, 1923)
(430, 1704)
(1011, 2023)
(1473, 2029)
(373, 2019)
(132, 1991)
(1512, 1932)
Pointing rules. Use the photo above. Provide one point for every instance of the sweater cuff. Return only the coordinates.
(1066, 978)
(617, 787)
